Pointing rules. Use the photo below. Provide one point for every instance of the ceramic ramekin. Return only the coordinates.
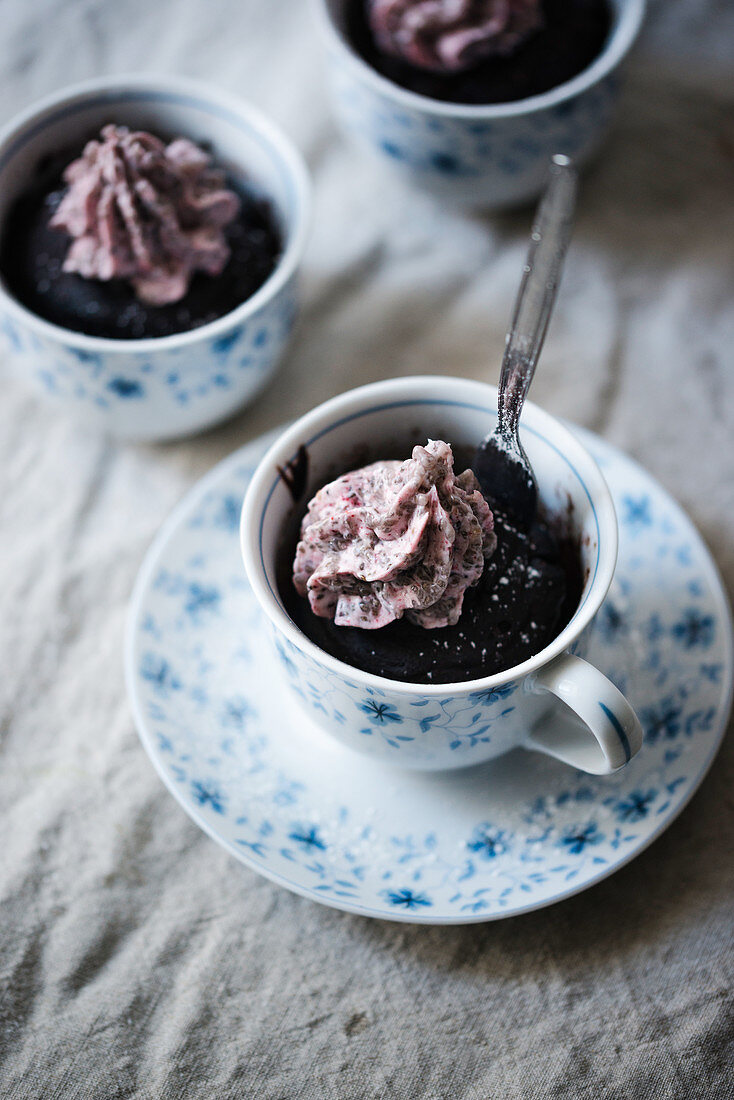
(170, 386)
(485, 157)
(442, 726)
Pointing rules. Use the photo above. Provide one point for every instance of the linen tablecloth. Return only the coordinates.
(139, 960)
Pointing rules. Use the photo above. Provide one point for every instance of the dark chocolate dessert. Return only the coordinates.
(434, 607)
(478, 51)
(134, 241)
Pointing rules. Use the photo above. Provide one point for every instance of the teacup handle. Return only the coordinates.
(612, 733)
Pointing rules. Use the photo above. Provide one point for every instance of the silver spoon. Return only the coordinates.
(500, 463)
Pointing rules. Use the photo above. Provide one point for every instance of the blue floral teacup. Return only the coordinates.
(172, 385)
(439, 726)
(488, 156)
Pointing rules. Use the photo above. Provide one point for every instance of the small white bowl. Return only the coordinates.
(170, 386)
(482, 156)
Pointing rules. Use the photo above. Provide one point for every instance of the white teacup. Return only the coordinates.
(440, 726)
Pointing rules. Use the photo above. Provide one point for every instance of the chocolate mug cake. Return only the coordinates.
(136, 237)
(407, 571)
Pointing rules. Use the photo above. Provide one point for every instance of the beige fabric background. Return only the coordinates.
(136, 958)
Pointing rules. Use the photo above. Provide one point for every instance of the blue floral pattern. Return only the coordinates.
(380, 713)
(484, 161)
(466, 726)
(406, 898)
(164, 394)
(489, 841)
(463, 846)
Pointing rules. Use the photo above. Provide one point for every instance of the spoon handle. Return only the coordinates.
(537, 293)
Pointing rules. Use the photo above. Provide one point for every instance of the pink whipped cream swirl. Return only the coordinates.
(141, 210)
(451, 35)
(394, 539)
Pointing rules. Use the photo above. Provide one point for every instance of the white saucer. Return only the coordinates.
(514, 835)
